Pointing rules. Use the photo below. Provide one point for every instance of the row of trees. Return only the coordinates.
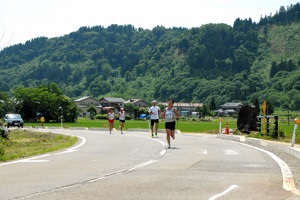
(189, 65)
(46, 100)
(283, 16)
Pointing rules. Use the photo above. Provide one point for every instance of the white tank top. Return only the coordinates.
(169, 114)
(111, 116)
(122, 116)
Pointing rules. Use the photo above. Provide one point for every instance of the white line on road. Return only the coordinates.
(25, 160)
(202, 151)
(142, 165)
(232, 187)
(287, 176)
(73, 149)
(230, 152)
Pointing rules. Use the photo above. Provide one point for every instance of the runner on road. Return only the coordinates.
(122, 117)
(171, 114)
(154, 111)
(111, 118)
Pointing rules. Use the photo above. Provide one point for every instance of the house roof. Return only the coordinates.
(183, 104)
(133, 100)
(113, 100)
(231, 105)
(83, 98)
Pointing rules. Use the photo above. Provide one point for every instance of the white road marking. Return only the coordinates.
(202, 151)
(287, 176)
(162, 152)
(142, 165)
(25, 160)
(230, 152)
(73, 149)
(33, 159)
(232, 187)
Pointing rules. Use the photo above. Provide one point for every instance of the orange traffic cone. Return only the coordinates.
(227, 129)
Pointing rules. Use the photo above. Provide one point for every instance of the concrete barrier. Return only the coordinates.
(53, 127)
(98, 129)
(295, 151)
(232, 137)
(77, 128)
(137, 130)
(256, 141)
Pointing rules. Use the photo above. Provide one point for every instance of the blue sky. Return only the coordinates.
(22, 20)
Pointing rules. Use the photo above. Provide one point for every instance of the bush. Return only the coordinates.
(2, 152)
(100, 116)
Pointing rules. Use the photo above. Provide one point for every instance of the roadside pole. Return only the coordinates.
(295, 130)
(220, 129)
(265, 125)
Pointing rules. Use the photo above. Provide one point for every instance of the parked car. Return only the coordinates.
(13, 120)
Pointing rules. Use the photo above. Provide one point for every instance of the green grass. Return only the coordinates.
(189, 126)
(23, 143)
(184, 126)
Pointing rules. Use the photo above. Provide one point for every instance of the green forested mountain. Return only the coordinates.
(241, 63)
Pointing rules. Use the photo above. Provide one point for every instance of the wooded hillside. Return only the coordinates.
(241, 63)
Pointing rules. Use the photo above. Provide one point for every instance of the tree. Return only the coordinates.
(46, 100)
(212, 105)
(256, 104)
(270, 107)
(6, 104)
(130, 108)
(93, 111)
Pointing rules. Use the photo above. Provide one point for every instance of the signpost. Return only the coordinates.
(265, 123)
(297, 121)
(220, 129)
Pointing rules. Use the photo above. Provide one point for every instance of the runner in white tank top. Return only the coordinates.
(171, 114)
(122, 117)
(111, 118)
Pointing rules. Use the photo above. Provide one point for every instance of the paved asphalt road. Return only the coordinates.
(135, 166)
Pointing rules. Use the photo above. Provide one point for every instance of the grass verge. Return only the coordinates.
(24, 143)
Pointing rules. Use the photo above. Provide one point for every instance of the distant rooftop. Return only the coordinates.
(113, 100)
(82, 98)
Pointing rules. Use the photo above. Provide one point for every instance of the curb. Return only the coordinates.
(98, 129)
(294, 151)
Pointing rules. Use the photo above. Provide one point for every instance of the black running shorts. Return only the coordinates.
(154, 120)
(170, 125)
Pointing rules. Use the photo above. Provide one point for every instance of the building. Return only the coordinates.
(138, 103)
(184, 106)
(112, 102)
(229, 109)
(85, 102)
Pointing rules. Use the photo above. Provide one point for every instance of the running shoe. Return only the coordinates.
(156, 134)
(169, 147)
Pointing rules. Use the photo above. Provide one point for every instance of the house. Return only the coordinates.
(138, 103)
(85, 102)
(184, 106)
(229, 109)
(112, 102)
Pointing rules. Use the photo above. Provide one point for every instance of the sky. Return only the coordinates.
(22, 20)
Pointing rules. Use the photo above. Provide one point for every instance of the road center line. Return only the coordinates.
(232, 187)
